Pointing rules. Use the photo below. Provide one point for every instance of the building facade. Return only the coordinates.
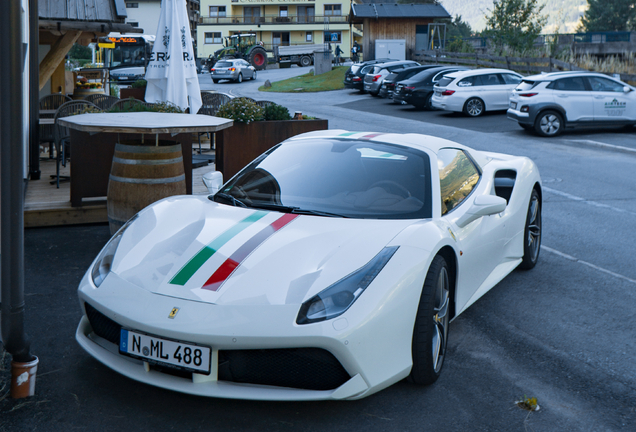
(275, 23)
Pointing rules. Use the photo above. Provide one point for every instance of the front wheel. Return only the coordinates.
(474, 107)
(532, 233)
(254, 75)
(549, 124)
(240, 78)
(430, 333)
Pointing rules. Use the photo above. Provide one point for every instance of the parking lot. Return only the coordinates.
(562, 332)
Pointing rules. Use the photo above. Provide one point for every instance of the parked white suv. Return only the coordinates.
(549, 103)
(475, 91)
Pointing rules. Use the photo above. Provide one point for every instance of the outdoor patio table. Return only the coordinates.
(93, 139)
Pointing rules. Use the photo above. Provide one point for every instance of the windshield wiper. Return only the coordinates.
(235, 201)
(297, 210)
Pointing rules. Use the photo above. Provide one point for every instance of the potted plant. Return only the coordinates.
(137, 90)
(255, 131)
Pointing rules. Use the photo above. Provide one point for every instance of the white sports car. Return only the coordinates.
(328, 268)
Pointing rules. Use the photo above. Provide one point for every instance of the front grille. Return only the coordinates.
(102, 325)
(301, 368)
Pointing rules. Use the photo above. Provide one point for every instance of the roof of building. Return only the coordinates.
(395, 10)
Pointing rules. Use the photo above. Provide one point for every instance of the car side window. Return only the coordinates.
(511, 79)
(441, 74)
(568, 84)
(605, 85)
(458, 176)
(471, 81)
(491, 80)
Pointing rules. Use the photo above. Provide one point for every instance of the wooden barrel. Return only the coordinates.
(140, 175)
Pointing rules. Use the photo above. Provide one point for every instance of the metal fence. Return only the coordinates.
(561, 39)
(275, 19)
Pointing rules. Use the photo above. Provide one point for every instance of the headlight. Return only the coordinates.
(336, 299)
(104, 260)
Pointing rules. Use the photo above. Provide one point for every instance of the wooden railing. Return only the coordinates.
(519, 64)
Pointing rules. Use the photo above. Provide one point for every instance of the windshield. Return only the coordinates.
(526, 85)
(127, 54)
(331, 177)
(444, 82)
(223, 64)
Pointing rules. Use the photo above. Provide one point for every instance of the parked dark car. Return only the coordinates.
(388, 85)
(374, 78)
(354, 77)
(418, 89)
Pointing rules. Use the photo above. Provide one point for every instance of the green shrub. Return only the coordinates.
(140, 83)
(276, 112)
(241, 110)
(133, 105)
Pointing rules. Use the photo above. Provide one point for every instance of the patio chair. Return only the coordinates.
(48, 104)
(126, 104)
(103, 101)
(211, 102)
(63, 134)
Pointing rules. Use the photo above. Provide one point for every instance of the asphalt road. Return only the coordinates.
(562, 332)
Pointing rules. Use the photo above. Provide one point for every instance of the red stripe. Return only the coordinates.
(369, 136)
(227, 268)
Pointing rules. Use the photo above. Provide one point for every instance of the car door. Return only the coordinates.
(481, 241)
(574, 96)
(611, 102)
(511, 82)
(494, 92)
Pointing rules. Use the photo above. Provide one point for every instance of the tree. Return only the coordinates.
(514, 24)
(78, 51)
(603, 15)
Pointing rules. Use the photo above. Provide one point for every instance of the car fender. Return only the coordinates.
(536, 109)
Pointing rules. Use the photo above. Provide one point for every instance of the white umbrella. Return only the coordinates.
(172, 72)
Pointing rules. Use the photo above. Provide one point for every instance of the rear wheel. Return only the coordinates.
(428, 102)
(474, 107)
(549, 124)
(258, 58)
(240, 78)
(532, 233)
(305, 61)
(430, 333)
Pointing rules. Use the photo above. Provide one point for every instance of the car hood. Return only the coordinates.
(195, 249)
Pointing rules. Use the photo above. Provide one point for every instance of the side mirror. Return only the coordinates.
(213, 181)
(627, 89)
(483, 205)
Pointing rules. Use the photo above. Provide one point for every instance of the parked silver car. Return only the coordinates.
(232, 69)
(373, 79)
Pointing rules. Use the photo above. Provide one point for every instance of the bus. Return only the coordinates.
(126, 56)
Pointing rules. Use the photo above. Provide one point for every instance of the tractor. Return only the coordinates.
(242, 46)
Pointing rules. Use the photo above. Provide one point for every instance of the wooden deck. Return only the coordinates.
(46, 205)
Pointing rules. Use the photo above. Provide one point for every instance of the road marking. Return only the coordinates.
(595, 267)
(606, 146)
(592, 203)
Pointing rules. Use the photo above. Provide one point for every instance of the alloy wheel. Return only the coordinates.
(440, 318)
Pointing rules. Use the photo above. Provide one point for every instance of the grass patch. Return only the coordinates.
(333, 80)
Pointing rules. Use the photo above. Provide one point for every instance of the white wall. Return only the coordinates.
(147, 15)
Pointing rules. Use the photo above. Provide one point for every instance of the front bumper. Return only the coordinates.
(370, 366)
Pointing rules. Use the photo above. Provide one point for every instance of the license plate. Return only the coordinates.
(180, 355)
(123, 78)
(513, 105)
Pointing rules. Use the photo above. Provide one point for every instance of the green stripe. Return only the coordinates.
(184, 275)
(349, 133)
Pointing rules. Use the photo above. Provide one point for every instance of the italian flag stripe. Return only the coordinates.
(348, 134)
(188, 270)
(227, 268)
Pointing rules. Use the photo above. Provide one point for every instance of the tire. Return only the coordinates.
(305, 61)
(428, 102)
(216, 81)
(532, 233)
(549, 124)
(240, 78)
(430, 332)
(253, 76)
(258, 58)
(474, 107)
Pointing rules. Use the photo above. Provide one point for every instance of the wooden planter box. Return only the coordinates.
(137, 93)
(242, 143)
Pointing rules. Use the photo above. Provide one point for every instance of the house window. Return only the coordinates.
(333, 37)
(333, 9)
(133, 24)
(309, 37)
(251, 14)
(132, 5)
(213, 38)
(282, 11)
(217, 11)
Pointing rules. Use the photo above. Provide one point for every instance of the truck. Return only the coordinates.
(302, 55)
(243, 46)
